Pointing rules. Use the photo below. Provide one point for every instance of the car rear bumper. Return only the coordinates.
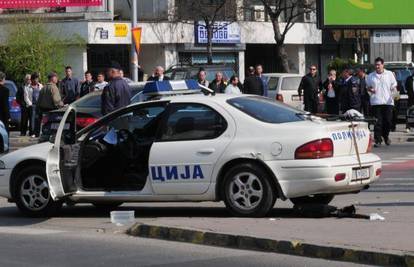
(307, 177)
(4, 183)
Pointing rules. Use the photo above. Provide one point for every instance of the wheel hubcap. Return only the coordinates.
(245, 191)
(34, 192)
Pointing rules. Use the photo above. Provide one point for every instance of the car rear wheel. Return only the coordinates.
(32, 193)
(248, 191)
(315, 199)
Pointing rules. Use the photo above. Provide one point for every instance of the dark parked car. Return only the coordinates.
(15, 110)
(88, 111)
(187, 72)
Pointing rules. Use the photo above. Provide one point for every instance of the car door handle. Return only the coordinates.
(206, 151)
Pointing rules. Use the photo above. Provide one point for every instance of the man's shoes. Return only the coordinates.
(387, 141)
(377, 144)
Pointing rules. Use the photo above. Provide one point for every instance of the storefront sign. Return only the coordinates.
(26, 4)
(386, 37)
(121, 29)
(223, 33)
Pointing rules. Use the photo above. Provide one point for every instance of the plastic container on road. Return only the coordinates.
(122, 218)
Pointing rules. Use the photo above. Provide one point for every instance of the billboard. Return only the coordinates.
(27, 4)
(366, 13)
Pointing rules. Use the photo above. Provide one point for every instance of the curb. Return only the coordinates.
(295, 248)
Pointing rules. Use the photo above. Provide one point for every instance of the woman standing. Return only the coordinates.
(26, 106)
(233, 88)
(331, 93)
(36, 86)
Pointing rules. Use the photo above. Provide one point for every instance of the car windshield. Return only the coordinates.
(12, 88)
(266, 110)
(291, 83)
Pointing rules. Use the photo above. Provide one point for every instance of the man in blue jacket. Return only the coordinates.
(117, 93)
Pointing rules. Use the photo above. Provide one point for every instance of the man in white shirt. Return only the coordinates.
(381, 86)
(100, 83)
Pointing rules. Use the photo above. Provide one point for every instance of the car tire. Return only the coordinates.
(315, 199)
(32, 193)
(248, 191)
(107, 205)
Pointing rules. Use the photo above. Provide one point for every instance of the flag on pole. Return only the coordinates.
(136, 35)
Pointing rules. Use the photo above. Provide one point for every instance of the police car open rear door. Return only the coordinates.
(62, 161)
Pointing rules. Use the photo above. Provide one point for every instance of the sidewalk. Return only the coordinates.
(359, 237)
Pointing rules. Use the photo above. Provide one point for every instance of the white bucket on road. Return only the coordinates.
(123, 217)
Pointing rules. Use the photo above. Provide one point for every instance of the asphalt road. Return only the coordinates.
(35, 247)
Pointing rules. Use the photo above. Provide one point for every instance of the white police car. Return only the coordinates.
(245, 150)
(4, 139)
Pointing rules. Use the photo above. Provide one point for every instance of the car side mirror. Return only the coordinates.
(52, 138)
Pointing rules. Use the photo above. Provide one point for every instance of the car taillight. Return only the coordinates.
(83, 122)
(279, 97)
(370, 142)
(45, 119)
(14, 104)
(322, 148)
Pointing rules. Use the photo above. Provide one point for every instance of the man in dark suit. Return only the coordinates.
(309, 87)
(158, 75)
(409, 87)
(4, 101)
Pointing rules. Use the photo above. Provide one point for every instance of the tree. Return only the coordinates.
(289, 12)
(209, 12)
(31, 47)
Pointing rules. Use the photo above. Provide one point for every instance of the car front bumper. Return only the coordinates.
(309, 177)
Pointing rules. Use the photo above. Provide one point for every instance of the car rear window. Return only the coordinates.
(89, 101)
(291, 83)
(266, 110)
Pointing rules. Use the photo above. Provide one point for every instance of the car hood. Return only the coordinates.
(38, 151)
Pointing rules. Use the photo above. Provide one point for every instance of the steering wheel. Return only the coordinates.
(127, 144)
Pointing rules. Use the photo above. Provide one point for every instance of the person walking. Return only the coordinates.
(309, 87)
(88, 85)
(117, 93)
(218, 85)
(158, 75)
(35, 119)
(49, 97)
(26, 106)
(382, 85)
(253, 85)
(331, 93)
(69, 87)
(233, 88)
(100, 82)
(201, 78)
(362, 83)
(4, 102)
(259, 73)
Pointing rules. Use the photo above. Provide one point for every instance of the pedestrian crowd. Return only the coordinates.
(372, 94)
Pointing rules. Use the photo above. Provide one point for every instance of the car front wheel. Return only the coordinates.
(32, 193)
(248, 191)
(315, 199)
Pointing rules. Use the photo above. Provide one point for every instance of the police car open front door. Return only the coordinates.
(191, 141)
(62, 161)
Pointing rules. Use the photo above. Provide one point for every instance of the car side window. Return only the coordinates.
(192, 122)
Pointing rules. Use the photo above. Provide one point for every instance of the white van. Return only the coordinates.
(284, 87)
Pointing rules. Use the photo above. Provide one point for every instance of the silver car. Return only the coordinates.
(4, 139)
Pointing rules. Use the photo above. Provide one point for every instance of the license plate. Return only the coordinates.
(55, 126)
(360, 174)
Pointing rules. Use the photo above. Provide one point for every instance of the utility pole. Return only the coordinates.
(134, 55)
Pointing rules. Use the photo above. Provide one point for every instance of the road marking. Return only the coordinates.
(392, 161)
(405, 158)
(27, 231)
